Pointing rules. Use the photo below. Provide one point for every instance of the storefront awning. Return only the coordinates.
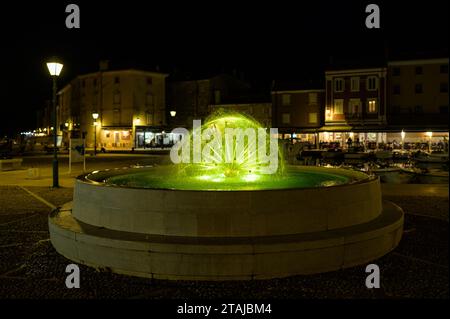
(335, 128)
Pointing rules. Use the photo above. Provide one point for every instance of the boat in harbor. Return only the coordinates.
(358, 155)
(401, 155)
(423, 157)
(431, 161)
(383, 155)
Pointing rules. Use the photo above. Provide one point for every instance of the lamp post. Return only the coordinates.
(95, 117)
(173, 113)
(54, 69)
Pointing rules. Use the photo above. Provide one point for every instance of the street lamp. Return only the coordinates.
(173, 113)
(54, 68)
(95, 117)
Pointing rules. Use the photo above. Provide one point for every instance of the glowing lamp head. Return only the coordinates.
(54, 68)
(173, 113)
(95, 115)
(429, 134)
(403, 134)
(66, 124)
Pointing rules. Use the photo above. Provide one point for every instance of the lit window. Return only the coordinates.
(354, 84)
(286, 99)
(372, 106)
(338, 106)
(328, 114)
(372, 83)
(312, 98)
(338, 85)
(286, 118)
(313, 118)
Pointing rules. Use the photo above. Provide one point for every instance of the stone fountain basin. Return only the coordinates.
(227, 213)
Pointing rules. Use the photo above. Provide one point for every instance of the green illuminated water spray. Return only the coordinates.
(229, 147)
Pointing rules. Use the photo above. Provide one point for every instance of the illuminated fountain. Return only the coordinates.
(231, 210)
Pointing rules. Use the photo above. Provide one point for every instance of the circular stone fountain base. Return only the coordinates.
(224, 258)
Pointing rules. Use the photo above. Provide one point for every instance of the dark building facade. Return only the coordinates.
(418, 95)
(191, 99)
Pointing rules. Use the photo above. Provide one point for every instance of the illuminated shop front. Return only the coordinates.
(370, 139)
(116, 138)
(390, 140)
(155, 137)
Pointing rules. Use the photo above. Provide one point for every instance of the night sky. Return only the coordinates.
(283, 40)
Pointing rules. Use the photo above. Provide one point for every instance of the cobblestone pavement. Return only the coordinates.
(31, 268)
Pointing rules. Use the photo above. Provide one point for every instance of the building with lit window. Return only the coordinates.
(129, 104)
(298, 110)
(355, 105)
